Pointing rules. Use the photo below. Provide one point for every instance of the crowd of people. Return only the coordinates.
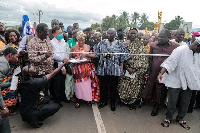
(53, 66)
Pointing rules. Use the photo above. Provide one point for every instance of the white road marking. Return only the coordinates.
(100, 126)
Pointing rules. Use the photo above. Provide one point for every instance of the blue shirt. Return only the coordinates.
(111, 65)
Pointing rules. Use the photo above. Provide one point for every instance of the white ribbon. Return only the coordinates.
(98, 53)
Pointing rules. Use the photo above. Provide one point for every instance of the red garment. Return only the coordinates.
(152, 84)
(84, 71)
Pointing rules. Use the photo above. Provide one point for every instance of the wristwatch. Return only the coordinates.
(4, 108)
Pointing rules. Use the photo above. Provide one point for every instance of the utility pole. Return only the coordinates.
(39, 14)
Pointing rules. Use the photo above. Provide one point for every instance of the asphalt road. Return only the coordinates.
(71, 120)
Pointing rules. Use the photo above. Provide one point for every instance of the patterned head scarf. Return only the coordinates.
(133, 28)
(80, 35)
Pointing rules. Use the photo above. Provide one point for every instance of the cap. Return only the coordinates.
(196, 34)
(61, 24)
(87, 29)
(68, 27)
(120, 29)
(76, 30)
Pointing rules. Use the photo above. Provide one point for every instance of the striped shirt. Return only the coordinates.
(111, 65)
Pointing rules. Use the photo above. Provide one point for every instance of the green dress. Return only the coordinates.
(71, 43)
(69, 81)
(129, 88)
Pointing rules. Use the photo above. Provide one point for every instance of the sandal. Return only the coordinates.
(77, 105)
(73, 99)
(132, 107)
(13, 112)
(165, 123)
(183, 124)
(89, 103)
(119, 104)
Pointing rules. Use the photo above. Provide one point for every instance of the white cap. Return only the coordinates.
(198, 40)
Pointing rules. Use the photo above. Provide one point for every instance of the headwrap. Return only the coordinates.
(87, 29)
(133, 28)
(120, 29)
(80, 35)
(61, 24)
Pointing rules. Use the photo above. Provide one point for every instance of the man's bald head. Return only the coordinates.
(111, 34)
(165, 32)
(111, 30)
(163, 36)
(180, 30)
(28, 71)
(180, 34)
(173, 34)
(145, 39)
(140, 35)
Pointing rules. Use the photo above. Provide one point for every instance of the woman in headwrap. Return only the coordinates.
(85, 80)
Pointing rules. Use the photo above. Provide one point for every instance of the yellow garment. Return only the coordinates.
(12, 45)
(147, 47)
(2, 45)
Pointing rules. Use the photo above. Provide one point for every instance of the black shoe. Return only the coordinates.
(101, 105)
(154, 112)
(190, 110)
(112, 107)
(66, 101)
(36, 124)
(196, 106)
(61, 105)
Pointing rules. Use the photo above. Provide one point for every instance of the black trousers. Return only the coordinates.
(110, 82)
(175, 94)
(57, 88)
(4, 125)
(195, 99)
(43, 111)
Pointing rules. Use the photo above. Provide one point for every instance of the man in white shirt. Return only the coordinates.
(59, 54)
(181, 73)
(179, 36)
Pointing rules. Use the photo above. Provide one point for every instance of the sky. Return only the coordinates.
(86, 12)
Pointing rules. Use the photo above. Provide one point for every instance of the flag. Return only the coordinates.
(26, 26)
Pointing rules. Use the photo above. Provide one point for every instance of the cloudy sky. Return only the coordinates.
(86, 12)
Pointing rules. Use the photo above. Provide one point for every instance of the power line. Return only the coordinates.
(39, 14)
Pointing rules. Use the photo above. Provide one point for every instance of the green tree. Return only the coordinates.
(106, 23)
(144, 18)
(174, 24)
(109, 22)
(149, 25)
(16, 27)
(113, 21)
(178, 19)
(125, 15)
(120, 22)
(95, 26)
(134, 19)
